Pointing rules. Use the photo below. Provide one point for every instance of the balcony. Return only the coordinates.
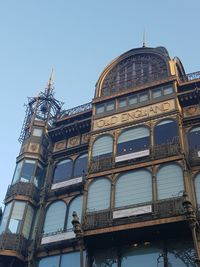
(165, 150)
(194, 157)
(101, 164)
(24, 189)
(13, 242)
(136, 213)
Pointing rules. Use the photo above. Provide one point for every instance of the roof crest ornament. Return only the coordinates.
(144, 39)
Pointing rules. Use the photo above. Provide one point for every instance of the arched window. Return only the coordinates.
(75, 205)
(80, 165)
(170, 181)
(55, 217)
(99, 195)
(197, 188)
(133, 187)
(166, 132)
(63, 171)
(131, 141)
(194, 138)
(102, 146)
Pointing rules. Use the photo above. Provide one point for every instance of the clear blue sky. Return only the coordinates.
(78, 39)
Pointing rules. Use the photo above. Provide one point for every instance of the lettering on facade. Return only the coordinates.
(134, 115)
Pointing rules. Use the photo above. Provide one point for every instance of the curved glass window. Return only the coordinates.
(28, 221)
(197, 188)
(16, 218)
(133, 188)
(166, 132)
(63, 171)
(55, 217)
(194, 138)
(133, 140)
(80, 166)
(102, 146)
(75, 205)
(5, 217)
(170, 181)
(99, 195)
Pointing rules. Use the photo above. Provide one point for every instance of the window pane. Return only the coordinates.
(38, 179)
(5, 217)
(110, 106)
(122, 102)
(99, 195)
(16, 217)
(71, 260)
(100, 109)
(75, 205)
(80, 166)
(17, 172)
(102, 146)
(194, 138)
(143, 97)
(170, 181)
(50, 262)
(37, 132)
(55, 217)
(140, 257)
(197, 189)
(105, 258)
(139, 182)
(167, 90)
(28, 170)
(166, 132)
(63, 171)
(156, 93)
(28, 221)
(132, 100)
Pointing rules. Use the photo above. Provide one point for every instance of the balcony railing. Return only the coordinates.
(76, 110)
(14, 242)
(165, 150)
(190, 77)
(101, 164)
(25, 189)
(194, 157)
(158, 209)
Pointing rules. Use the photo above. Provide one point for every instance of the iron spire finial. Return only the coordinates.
(50, 82)
(144, 39)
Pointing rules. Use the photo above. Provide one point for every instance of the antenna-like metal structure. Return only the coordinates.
(144, 39)
(44, 108)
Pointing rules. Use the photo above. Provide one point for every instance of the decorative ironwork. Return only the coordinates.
(165, 150)
(194, 157)
(190, 77)
(15, 242)
(25, 189)
(98, 219)
(132, 71)
(101, 164)
(76, 110)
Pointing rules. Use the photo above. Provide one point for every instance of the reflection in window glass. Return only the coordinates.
(80, 166)
(38, 179)
(143, 97)
(140, 257)
(132, 100)
(28, 221)
(122, 102)
(50, 262)
(5, 217)
(106, 258)
(166, 132)
(167, 90)
(37, 132)
(156, 93)
(63, 171)
(16, 217)
(17, 172)
(28, 170)
(100, 108)
(193, 138)
(197, 189)
(110, 106)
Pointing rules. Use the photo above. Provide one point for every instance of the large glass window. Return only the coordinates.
(133, 140)
(55, 217)
(28, 221)
(63, 171)
(105, 257)
(50, 261)
(75, 205)
(166, 132)
(133, 188)
(170, 181)
(99, 195)
(80, 166)
(16, 218)
(5, 217)
(194, 139)
(102, 146)
(197, 189)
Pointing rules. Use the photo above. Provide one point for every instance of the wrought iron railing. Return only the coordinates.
(165, 150)
(76, 110)
(160, 209)
(194, 157)
(15, 242)
(25, 189)
(190, 77)
(101, 163)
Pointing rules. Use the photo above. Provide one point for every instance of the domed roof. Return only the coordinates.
(133, 68)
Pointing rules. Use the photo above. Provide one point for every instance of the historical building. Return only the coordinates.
(115, 182)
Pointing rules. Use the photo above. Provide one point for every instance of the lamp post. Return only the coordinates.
(193, 224)
(79, 235)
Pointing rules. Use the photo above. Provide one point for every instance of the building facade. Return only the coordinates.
(115, 182)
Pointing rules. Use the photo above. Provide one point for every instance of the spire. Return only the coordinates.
(144, 39)
(50, 82)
